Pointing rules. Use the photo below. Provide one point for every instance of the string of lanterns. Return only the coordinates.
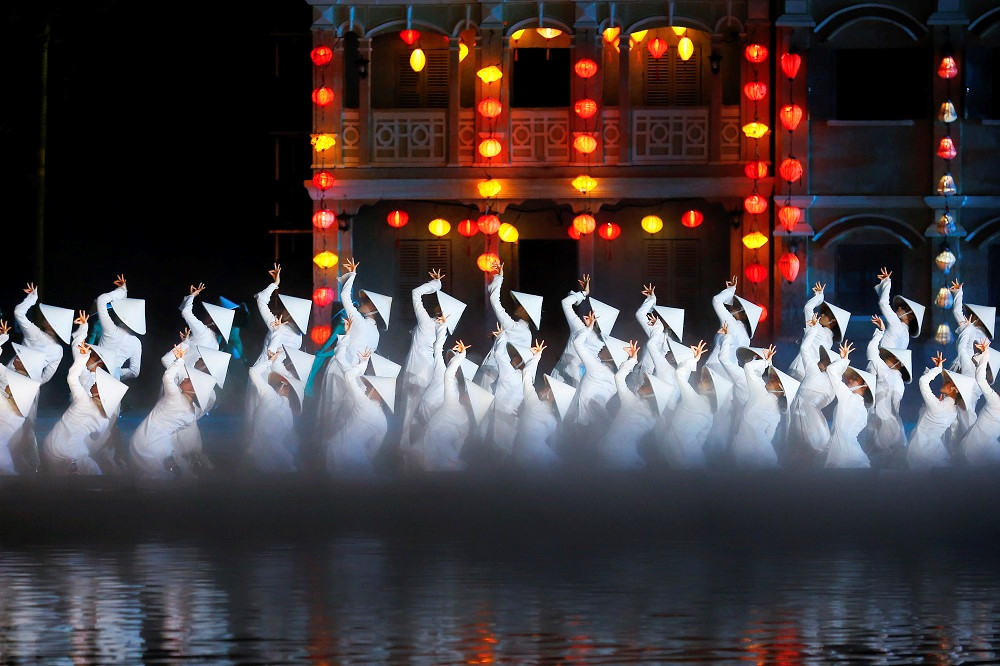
(585, 143)
(324, 218)
(755, 204)
(791, 169)
(946, 150)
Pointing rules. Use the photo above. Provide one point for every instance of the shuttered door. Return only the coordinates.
(671, 81)
(416, 259)
(427, 89)
(673, 266)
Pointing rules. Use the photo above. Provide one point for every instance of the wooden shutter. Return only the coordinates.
(687, 80)
(416, 259)
(408, 83)
(436, 79)
(673, 266)
(671, 81)
(658, 79)
(424, 89)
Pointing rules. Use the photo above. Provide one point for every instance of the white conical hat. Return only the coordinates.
(841, 316)
(32, 360)
(298, 309)
(383, 305)
(987, 314)
(60, 319)
(452, 308)
(746, 354)
(298, 386)
(674, 318)
(680, 351)
(132, 312)
(479, 398)
(916, 308)
(723, 386)
(110, 390)
(662, 391)
(24, 390)
(826, 356)
(204, 386)
(562, 394)
(616, 348)
(905, 358)
(217, 363)
(606, 315)
(753, 313)
(993, 365)
(517, 350)
(469, 369)
(386, 388)
(109, 356)
(789, 385)
(966, 389)
(223, 318)
(532, 304)
(869, 380)
(383, 367)
(301, 361)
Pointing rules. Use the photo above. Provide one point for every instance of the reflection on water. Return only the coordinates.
(395, 600)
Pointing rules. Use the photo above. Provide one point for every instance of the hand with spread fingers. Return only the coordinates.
(497, 267)
(120, 280)
(278, 321)
(497, 333)
(347, 325)
(981, 345)
(884, 274)
(648, 290)
(699, 349)
(956, 286)
(366, 354)
(4, 327)
(584, 283)
(538, 348)
(818, 288)
(436, 274)
(845, 349)
(651, 319)
(31, 288)
(271, 355)
(460, 347)
(442, 319)
(178, 351)
(351, 266)
(879, 324)
(185, 334)
(732, 283)
(197, 290)
(589, 319)
(812, 321)
(84, 349)
(725, 328)
(938, 359)
(82, 318)
(275, 274)
(770, 352)
(632, 349)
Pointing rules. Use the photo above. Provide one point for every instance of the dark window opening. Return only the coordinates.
(993, 281)
(352, 76)
(857, 275)
(540, 78)
(883, 84)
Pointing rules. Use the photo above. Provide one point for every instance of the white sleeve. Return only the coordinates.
(423, 319)
(810, 307)
(572, 318)
(108, 324)
(645, 309)
(263, 299)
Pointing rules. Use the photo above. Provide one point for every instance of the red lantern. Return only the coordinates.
(585, 68)
(322, 96)
(324, 219)
(409, 36)
(468, 228)
(755, 169)
(574, 233)
(489, 224)
(755, 53)
(756, 273)
(791, 170)
(397, 219)
(609, 231)
(789, 216)
(755, 204)
(584, 223)
(321, 55)
(657, 47)
(490, 108)
(791, 116)
(323, 180)
(788, 264)
(585, 108)
(948, 68)
(946, 149)
(755, 90)
(790, 63)
(692, 218)
(323, 296)
(320, 334)
(763, 313)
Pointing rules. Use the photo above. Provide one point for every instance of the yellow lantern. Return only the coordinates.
(323, 142)
(755, 240)
(489, 188)
(685, 48)
(548, 33)
(584, 184)
(439, 227)
(326, 259)
(755, 130)
(637, 37)
(611, 34)
(490, 74)
(508, 233)
(417, 60)
(585, 143)
(651, 224)
(679, 32)
(490, 148)
(463, 51)
(517, 34)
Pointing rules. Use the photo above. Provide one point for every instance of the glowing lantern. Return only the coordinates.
(657, 47)
(439, 227)
(611, 34)
(548, 33)
(788, 264)
(791, 170)
(637, 37)
(755, 53)
(409, 36)
(320, 334)
(573, 232)
(468, 228)
(755, 240)
(486, 260)
(679, 31)
(585, 68)
(943, 335)
(692, 218)
(756, 273)
(946, 148)
(508, 233)
(323, 180)
(490, 108)
(463, 51)
(490, 74)
(755, 90)
(585, 108)
(948, 69)
(945, 259)
(755, 204)
(685, 48)
(324, 219)
(755, 169)
(323, 296)
(789, 216)
(584, 223)
(791, 116)
(490, 148)
(755, 130)
(585, 143)
(946, 224)
(790, 63)
(323, 142)
(489, 224)
(489, 188)
(763, 313)
(517, 34)
(326, 259)
(651, 224)
(398, 218)
(609, 231)
(321, 55)
(944, 298)
(947, 113)
(584, 184)
(417, 60)
(946, 186)
(322, 96)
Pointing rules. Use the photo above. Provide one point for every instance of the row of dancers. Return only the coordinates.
(607, 403)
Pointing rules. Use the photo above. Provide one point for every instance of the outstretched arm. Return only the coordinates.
(982, 362)
(197, 326)
(506, 321)
(719, 304)
(590, 361)
(80, 356)
(957, 310)
(642, 314)
(925, 385)
(624, 393)
(528, 374)
(423, 318)
(108, 324)
(572, 318)
(817, 299)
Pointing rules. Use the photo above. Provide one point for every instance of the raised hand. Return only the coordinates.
(498, 332)
(185, 334)
(818, 288)
(879, 324)
(351, 266)
(120, 280)
(4, 327)
(699, 349)
(278, 321)
(584, 283)
(812, 321)
(733, 282)
(956, 286)
(82, 318)
(938, 359)
(845, 349)
(436, 274)
(271, 355)
(648, 290)
(497, 267)
(770, 352)
(348, 324)
(651, 318)
(442, 319)
(460, 347)
(31, 288)
(725, 328)
(366, 354)
(275, 274)
(178, 351)
(84, 349)
(589, 319)
(981, 346)
(538, 348)
(884, 274)
(197, 290)
(632, 348)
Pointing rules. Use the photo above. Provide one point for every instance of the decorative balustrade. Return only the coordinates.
(669, 135)
(539, 136)
(730, 133)
(409, 136)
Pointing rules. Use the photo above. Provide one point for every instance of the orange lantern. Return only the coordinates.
(755, 169)
(490, 108)
(609, 231)
(320, 334)
(409, 36)
(326, 259)
(946, 149)
(439, 227)
(322, 96)
(490, 74)
(398, 218)
(789, 216)
(585, 108)
(791, 116)
(651, 224)
(755, 53)
(791, 170)
(788, 264)
(574, 233)
(585, 143)
(756, 273)
(468, 228)
(583, 183)
(486, 260)
(488, 188)
(948, 68)
(755, 240)
(324, 219)
(584, 223)
(585, 68)
(755, 204)
(692, 218)
(755, 130)
(323, 180)
(323, 296)
(610, 34)
(489, 224)
(321, 55)
(657, 47)
(763, 313)
(490, 148)
(755, 90)
(790, 63)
